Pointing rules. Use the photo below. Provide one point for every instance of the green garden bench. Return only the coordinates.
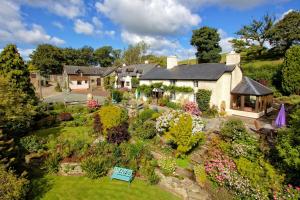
(122, 174)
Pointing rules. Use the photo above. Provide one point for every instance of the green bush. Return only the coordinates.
(117, 95)
(12, 187)
(234, 129)
(180, 133)
(146, 114)
(96, 167)
(145, 130)
(203, 99)
(52, 163)
(211, 112)
(31, 143)
(261, 174)
(200, 174)
(58, 88)
(167, 165)
(112, 116)
(173, 105)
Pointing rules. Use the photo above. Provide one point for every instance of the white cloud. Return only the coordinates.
(238, 4)
(224, 42)
(83, 27)
(152, 17)
(284, 14)
(58, 25)
(25, 53)
(98, 24)
(155, 42)
(65, 8)
(13, 29)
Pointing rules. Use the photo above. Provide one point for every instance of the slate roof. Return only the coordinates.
(204, 71)
(133, 70)
(249, 86)
(91, 71)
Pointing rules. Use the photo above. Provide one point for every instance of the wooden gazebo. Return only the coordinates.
(251, 96)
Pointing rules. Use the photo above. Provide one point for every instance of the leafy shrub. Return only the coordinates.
(163, 101)
(180, 133)
(92, 104)
(117, 96)
(211, 112)
(287, 193)
(145, 130)
(58, 88)
(192, 108)
(167, 165)
(12, 187)
(199, 171)
(146, 114)
(65, 116)
(97, 126)
(96, 167)
(234, 129)
(52, 163)
(222, 170)
(173, 105)
(163, 122)
(262, 175)
(31, 143)
(118, 134)
(203, 99)
(112, 116)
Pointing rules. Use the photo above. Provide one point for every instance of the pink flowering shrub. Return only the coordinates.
(221, 169)
(92, 104)
(288, 193)
(192, 108)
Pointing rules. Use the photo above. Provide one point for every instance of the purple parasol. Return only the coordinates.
(281, 119)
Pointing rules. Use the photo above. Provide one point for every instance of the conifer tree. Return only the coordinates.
(15, 70)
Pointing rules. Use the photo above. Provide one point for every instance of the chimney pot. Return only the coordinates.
(233, 58)
(171, 62)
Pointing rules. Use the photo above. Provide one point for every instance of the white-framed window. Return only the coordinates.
(127, 83)
(173, 96)
(195, 83)
(85, 81)
(79, 82)
(172, 82)
(195, 98)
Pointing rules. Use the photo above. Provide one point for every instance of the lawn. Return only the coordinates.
(76, 188)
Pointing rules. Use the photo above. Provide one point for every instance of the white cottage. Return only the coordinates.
(238, 95)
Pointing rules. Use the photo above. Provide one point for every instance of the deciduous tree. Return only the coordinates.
(286, 32)
(48, 58)
(206, 41)
(104, 56)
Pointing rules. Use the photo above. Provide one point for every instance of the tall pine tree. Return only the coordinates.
(206, 41)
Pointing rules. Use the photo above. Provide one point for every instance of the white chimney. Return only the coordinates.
(233, 58)
(146, 61)
(171, 62)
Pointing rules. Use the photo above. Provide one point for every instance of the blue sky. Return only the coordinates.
(166, 25)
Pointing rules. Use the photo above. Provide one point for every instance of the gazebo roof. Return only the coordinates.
(249, 86)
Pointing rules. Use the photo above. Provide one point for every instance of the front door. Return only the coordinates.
(98, 81)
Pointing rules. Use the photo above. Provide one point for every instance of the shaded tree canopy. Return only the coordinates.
(286, 32)
(134, 53)
(104, 56)
(257, 31)
(206, 41)
(13, 68)
(290, 71)
(48, 58)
